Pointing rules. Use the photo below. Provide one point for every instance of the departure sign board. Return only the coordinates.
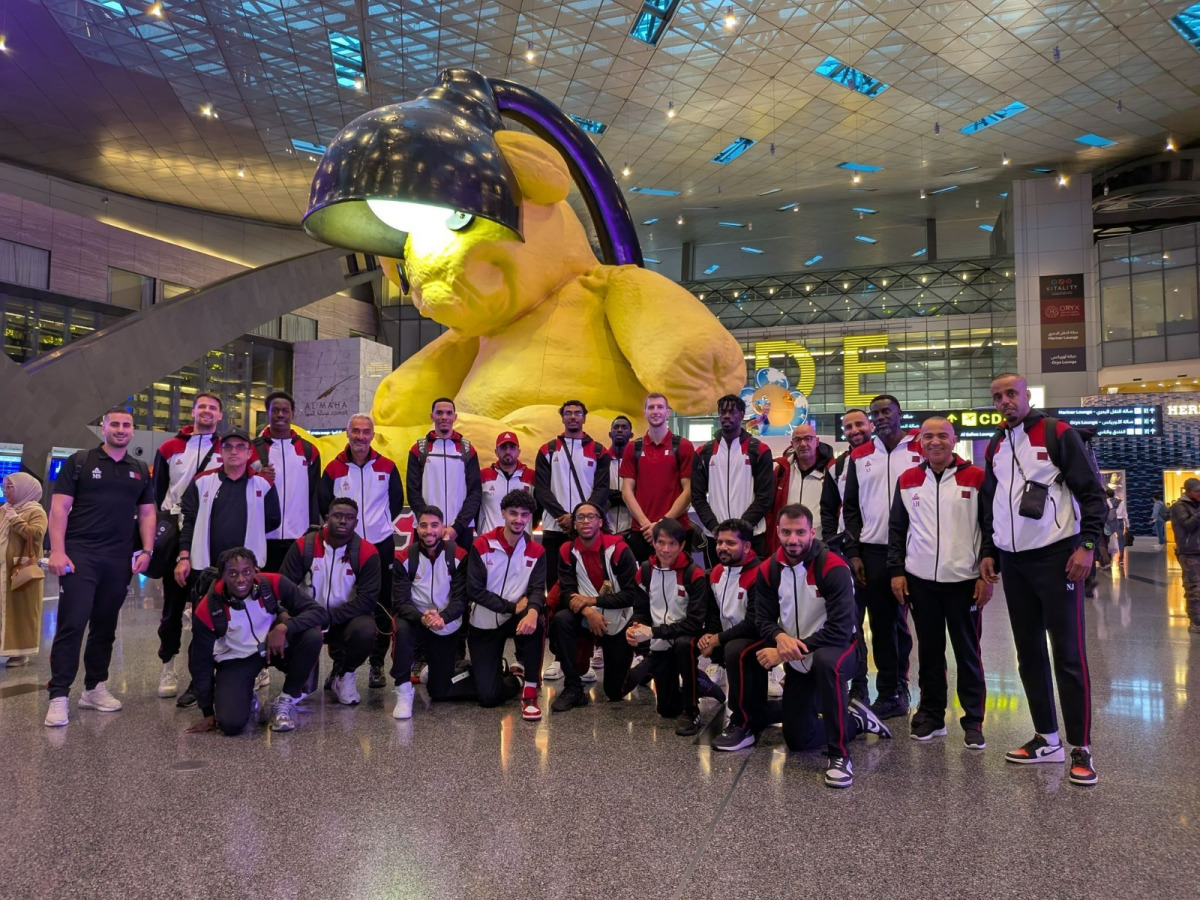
(1106, 421)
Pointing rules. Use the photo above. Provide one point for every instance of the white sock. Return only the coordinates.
(1051, 738)
(1086, 748)
(532, 684)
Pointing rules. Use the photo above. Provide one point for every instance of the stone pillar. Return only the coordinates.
(1058, 307)
(334, 379)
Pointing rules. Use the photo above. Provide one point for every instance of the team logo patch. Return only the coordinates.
(96, 474)
(529, 562)
(966, 495)
(382, 477)
(258, 493)
(346, 485)
(1043, 456)
(179, 460)
(134, 475)
(916, 458)
(867, 465)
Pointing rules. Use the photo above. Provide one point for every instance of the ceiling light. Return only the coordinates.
(670, 109)
(3, 44)
(1062, 180)
(730, 20)
(1004, 160)
(977, 203)
(529, 54)
(207, 111)
(156, 10)
(241, 171)
(1170, 147)
(626, 172)
(679, 219)
(922, 193)
(855, 178)
(795, 207)
(359, 84)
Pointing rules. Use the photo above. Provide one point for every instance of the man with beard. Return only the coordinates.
(506, 474)
(443, 470)
(656, 477)
(372, 480)
(856, 430)
(733, 477)
(621, 430)
(800, 476)
(430, 593)
(506, 585)
(597, 580)
(804, 603)
(871, 477)
(293, 465)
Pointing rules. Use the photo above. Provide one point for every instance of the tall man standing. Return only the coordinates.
(373, 482)
(443, 470)
(656, 477)
(195, 449)
(506, 474)
(1047, 517)
(870, 485)
(570, 469)
(856, 430)
(98, 496)
(733, 477)
(293, 465)
(934, 545)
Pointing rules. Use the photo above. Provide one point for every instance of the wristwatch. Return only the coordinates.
(1089, 545)
(183, 556)
(143, 553)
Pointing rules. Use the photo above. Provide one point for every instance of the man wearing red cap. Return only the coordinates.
(506, 474)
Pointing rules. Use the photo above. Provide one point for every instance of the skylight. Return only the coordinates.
(753, 250)
(591, 126)
(652, 21)
(994, 118)
(732, 224)
(988, 228)
(1187, 23)
(859, 167)
(847, 76)
(866, 210)
(769, 191)
(735, 149)
(945, 190)
(711, 269)
(812, 262)
(653, 192)
(306, 147)
(1094, 140)
(650, 221)
(347, 54)
(652, 261)
(863, 239)
(788, 206)
(920, 252)
(1041, 170)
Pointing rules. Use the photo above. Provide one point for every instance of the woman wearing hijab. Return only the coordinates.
(22, 530)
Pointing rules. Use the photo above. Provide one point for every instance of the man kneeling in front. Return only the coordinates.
(804, 601)
(249, 620)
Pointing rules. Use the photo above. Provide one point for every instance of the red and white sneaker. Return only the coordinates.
(530, 710)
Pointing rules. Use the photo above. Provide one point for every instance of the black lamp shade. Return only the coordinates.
(437, 150)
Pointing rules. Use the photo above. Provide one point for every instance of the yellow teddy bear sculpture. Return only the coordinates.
(537, 322)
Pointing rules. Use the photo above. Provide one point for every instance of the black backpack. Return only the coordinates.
(308, 551)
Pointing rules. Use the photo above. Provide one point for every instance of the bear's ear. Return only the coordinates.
(542, 176)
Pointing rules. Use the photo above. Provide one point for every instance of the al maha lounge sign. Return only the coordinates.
(1062, 315)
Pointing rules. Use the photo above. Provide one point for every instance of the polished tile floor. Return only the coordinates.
(605, 801)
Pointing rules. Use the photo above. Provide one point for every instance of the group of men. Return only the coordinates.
(280, 557)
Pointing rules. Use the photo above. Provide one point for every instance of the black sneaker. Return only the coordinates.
(973, 738)
(187, 699)
(867, 721)
(1036, 750)
(706, 687)
(690, 727)
(891, 707)
(925, 727)
(840, 773)
(1082, 770)
(570, 697)
(734, 737)
(861, 694)
(376, 679)
(329, 682)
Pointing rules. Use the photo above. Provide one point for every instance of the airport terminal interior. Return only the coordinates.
(804, 203)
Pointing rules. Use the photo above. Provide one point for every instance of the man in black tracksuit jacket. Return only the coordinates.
(804, 604)
(1047, 517)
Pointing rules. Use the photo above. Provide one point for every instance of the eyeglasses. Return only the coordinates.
(587, 517)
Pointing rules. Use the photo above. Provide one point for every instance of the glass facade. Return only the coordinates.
(1149, 286)
(241, 373)
(932, 334)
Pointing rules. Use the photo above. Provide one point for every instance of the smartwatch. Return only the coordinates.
(1089, 545)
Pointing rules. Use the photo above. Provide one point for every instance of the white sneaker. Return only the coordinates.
(589, 676)
(345, 691)
(404, 701)
(262, 679)
(423, 675)
(99, 698)
(552, 672)
(775, 683)
(59, 712)
(597, 660)
(168, 684)
(716, 675)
